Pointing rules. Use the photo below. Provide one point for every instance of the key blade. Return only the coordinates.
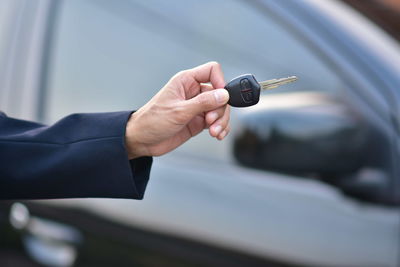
(271, 84)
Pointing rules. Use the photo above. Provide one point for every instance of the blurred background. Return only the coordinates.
(310, 176)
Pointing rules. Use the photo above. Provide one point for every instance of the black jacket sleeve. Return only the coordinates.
(82, 155)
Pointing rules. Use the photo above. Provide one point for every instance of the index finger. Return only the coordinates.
(209, 72)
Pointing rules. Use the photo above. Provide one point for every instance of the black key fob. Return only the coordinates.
(244, 91)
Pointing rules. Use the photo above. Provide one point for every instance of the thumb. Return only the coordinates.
(207, 101)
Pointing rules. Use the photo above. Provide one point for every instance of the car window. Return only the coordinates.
(115, 55)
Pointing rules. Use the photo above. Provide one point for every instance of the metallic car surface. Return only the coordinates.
(205, 211)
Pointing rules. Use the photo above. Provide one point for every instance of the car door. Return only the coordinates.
(235, 194)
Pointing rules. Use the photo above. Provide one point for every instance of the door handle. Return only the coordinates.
(48, 242)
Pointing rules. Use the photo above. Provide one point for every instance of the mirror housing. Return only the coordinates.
(312, 135)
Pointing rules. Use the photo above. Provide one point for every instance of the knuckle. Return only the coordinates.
(184, 74)
(181, 73)
(209, 119)
(214, 64)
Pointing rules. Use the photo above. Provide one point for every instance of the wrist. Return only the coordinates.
(134, 147)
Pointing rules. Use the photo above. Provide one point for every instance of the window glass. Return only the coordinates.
(115, 55)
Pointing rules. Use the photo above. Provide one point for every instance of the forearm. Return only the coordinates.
(83, 155)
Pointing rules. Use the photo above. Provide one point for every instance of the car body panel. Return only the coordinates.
(287, 219)
(262, 214)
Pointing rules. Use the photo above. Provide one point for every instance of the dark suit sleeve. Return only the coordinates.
(82, 155)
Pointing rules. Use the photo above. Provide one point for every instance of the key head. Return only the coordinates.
(244, 91)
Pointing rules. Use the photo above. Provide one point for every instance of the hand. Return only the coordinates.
(180, 110)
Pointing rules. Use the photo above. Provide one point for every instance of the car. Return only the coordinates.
(307, 177)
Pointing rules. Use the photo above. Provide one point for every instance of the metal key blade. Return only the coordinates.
(270, 84)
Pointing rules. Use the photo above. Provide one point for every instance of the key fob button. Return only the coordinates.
(246, 91)
(244, 83)
(247, 96)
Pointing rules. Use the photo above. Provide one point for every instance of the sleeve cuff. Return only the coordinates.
(141, 173)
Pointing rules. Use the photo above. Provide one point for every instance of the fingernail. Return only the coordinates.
(221, 95)
(217, 129)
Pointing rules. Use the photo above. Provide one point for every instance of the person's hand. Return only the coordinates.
(180, 110)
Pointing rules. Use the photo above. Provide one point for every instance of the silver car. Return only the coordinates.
(308, 177)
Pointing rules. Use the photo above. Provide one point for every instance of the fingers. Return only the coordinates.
(213, 115)
(206, 101)
(210, 97)
(210, 101)
(209, 72)
(217, 120)
(206, 87)
(220, 128)
(224, 133)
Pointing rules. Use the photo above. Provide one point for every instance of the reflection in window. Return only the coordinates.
(114, 55)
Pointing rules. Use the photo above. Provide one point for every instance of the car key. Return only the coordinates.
(244, 90)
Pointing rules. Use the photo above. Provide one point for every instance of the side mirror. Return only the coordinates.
(310, 135)
(317, 140)
(320, 138)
